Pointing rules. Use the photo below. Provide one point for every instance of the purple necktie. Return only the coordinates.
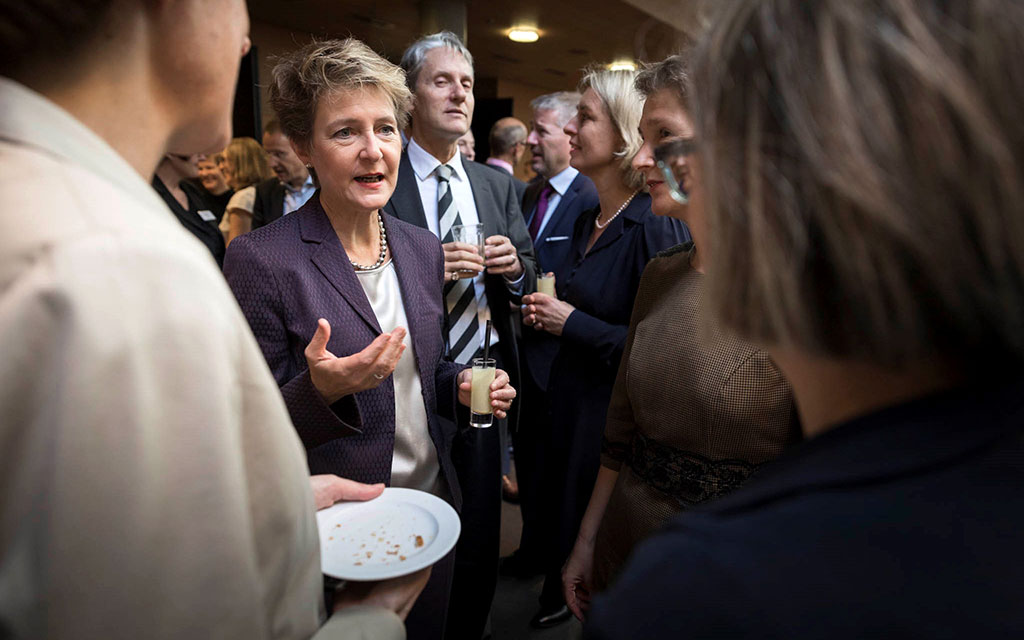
(542, 208)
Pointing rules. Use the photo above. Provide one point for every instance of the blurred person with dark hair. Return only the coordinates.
(507, 140)
(467, 145)
(862, 166)
(437, 190)
(336, 292)
(292, 187)
(694, 412)
(246, 164)
(551, 205)
(153, 486)
(214, 185)
(190, 204)
(610, 247)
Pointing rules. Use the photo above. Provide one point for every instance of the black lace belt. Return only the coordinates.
(688, 477)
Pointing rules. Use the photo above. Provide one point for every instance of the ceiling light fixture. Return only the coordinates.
(622, 65)
(523, 34)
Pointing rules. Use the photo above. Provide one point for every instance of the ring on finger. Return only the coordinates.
(378, 376)
(455, 276)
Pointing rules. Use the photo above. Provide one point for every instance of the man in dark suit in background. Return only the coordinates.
(293, 185)
(551, 205)
(437, 190)
(507, 141)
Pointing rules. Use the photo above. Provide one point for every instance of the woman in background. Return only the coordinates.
(245, 165)
(212, 180)
(611, 246)
(694, 412)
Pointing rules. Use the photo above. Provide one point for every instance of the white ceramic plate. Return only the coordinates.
(397, 533)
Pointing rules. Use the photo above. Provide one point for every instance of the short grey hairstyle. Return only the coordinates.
(563, 103)
(412, 59)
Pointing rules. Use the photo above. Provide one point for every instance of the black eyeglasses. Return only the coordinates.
(670, 157)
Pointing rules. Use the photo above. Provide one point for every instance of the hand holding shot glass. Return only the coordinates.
(485, 389)
(546, 284)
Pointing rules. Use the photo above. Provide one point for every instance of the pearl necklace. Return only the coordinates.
(597, 220)
(383, 248)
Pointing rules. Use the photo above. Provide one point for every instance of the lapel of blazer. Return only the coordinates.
(411, 280)
(563, 206)
(483, 196)
(330, 258)
(530, 200)
(405, 203)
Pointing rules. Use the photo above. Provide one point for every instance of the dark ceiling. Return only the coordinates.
(574, 33)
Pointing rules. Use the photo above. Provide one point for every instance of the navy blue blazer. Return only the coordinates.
(288, 274)
(553, 245)
(905, 523)
(498, 209)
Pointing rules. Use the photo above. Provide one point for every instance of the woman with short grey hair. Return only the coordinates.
(346, 303)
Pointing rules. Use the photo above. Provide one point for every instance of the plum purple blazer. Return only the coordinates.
(288, 274)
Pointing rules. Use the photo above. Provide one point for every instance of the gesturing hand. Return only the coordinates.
(335, 378)
(544, 313)
(502, 393)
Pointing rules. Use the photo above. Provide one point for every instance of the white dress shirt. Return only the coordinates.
(414, 464)
(152, 483)
(560, 184)
(424, 166)
(295, 198)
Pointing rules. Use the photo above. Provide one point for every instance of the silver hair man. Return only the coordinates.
(414, 56)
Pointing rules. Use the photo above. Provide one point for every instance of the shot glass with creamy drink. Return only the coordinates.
(470, 234)
(480, 412)
(546, 284)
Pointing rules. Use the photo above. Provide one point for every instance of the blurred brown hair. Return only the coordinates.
(670, 73)
(863, 163)
(249, 162)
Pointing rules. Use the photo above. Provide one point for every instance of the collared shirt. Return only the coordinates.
(501, 164)
(560, 183)
(295, 198)
(425, 166)
(137, 408)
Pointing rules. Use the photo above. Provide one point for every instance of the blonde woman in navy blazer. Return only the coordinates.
(346, 302)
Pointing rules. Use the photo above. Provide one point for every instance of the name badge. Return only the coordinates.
(206, 215)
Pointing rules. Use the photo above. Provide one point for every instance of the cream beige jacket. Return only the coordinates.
(151, 484)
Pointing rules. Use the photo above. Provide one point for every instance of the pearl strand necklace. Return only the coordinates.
(383, 248)
(597, 220)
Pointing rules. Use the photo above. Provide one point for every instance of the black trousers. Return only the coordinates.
(476, 454)
(530, 446)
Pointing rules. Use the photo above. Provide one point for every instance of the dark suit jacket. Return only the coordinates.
(905, 523)
(498, 209)
(288, 275)
(555, 240)
(269, 202)
(552, 246)
(517, 184)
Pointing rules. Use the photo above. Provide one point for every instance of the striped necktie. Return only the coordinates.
(460, 295)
